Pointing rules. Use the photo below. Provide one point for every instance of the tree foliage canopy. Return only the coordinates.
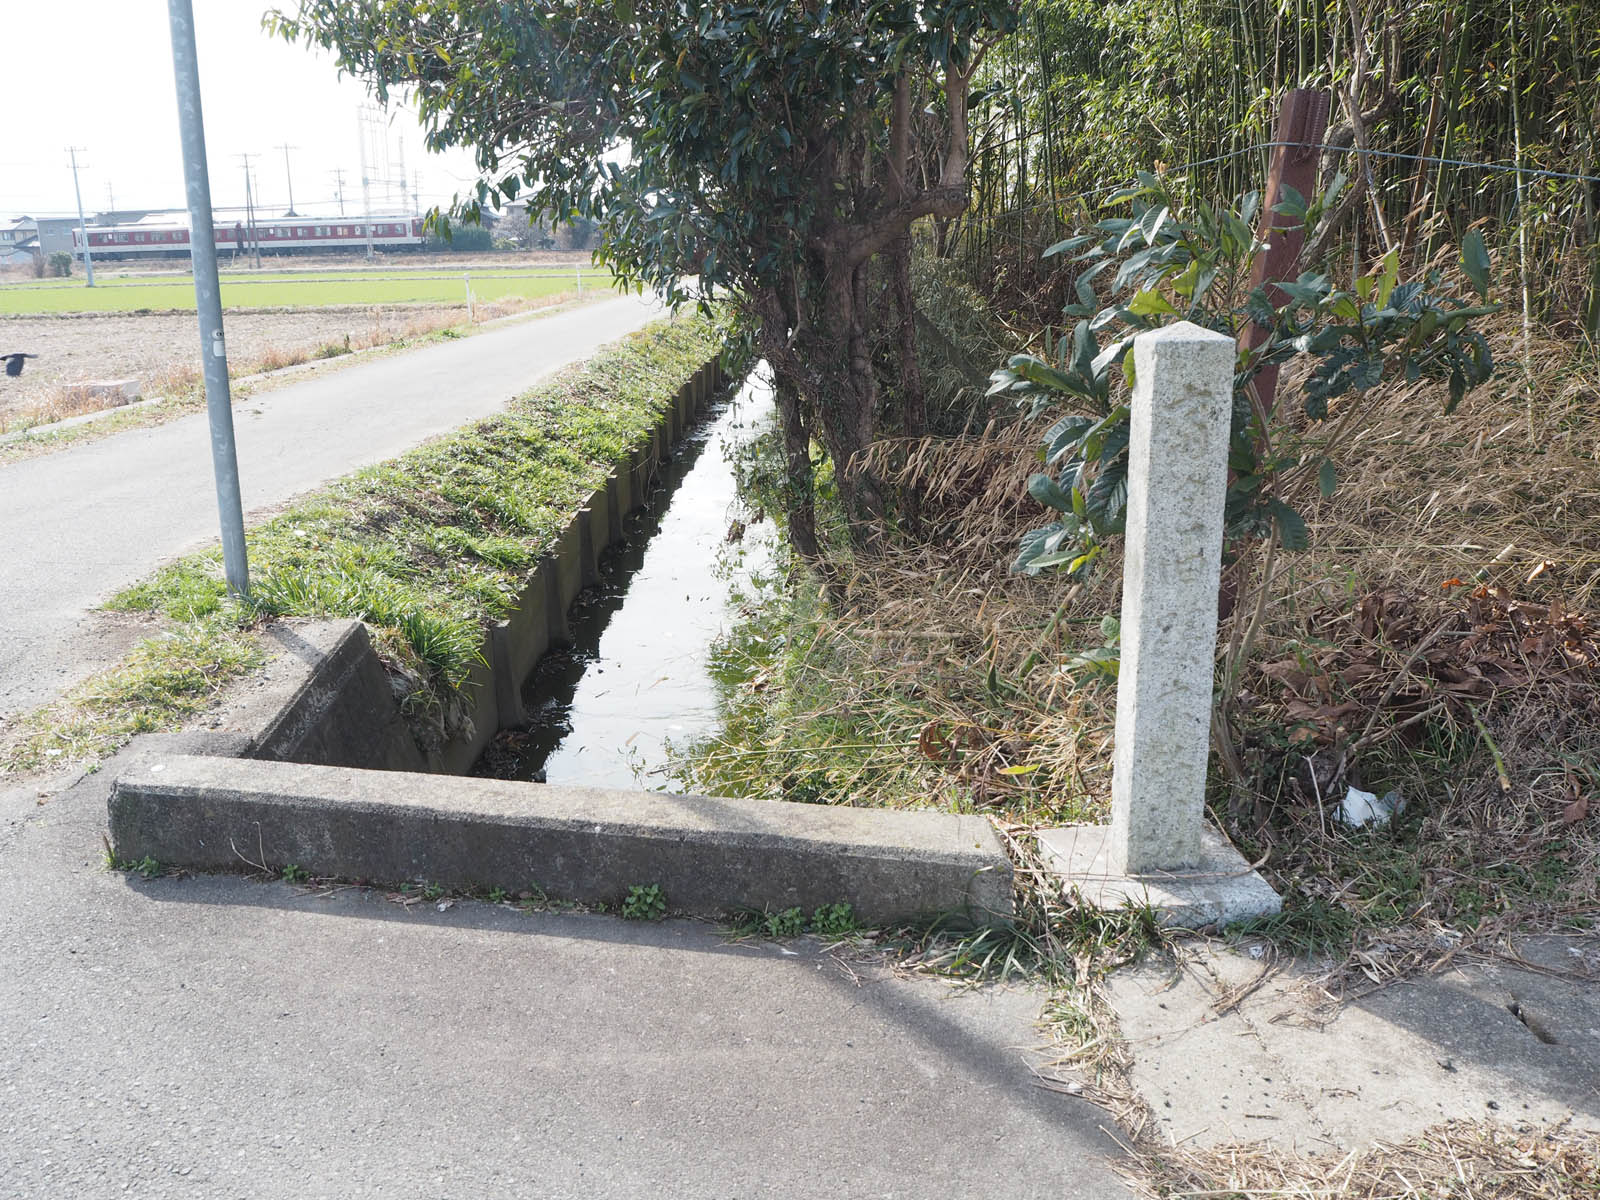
(766, 148)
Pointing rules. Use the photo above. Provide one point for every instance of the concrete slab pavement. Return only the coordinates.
(221, 1037)
(1389, 1065)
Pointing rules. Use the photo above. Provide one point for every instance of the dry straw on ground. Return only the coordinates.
(1435, 639)
(1461, 1160)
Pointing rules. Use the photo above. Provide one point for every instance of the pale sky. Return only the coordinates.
(98, 74)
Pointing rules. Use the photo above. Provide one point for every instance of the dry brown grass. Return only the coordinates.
(65, 401)
(1460, 1160)
(960, 674)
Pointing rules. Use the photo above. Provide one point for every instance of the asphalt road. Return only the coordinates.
(80, 524)
(221, 1037)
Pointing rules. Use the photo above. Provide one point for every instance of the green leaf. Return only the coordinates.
(1475, 261)
(1150, 302)
(1292, 531)
(1327, 478)
(1048, 492)
(1071, 243)
(1020, 769)
(1390, 276)
(1291, 203)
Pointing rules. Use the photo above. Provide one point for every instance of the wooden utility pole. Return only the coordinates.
(1302, 121)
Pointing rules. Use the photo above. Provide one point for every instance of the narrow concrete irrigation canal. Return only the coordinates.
(637, 675)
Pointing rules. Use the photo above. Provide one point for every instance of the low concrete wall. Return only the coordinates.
(590, 845)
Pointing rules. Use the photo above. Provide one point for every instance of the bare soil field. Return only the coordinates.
(151, 348)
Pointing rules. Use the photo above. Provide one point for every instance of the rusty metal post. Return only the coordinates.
(1302, 121)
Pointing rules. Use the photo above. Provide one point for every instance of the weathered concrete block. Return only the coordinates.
(528, 628)
(588, 548)
(477, 719)
(624, 486)
(1218, 890)
(559, 632)
(614, 509)
(590, 845)
(329, 701)
(507, 682)
(569, 564)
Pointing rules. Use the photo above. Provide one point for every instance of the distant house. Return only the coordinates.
(55, 235)
(19, 241)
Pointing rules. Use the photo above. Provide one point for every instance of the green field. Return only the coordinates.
(291, 290)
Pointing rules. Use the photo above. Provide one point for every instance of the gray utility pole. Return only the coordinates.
(366, 185)
(208, 295)
(288, 176)
(254, 247)
(338, 189)
(83, 229)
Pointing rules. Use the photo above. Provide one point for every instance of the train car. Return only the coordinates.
(160, 237)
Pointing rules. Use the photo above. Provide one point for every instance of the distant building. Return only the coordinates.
(55, 235)
(19, 241)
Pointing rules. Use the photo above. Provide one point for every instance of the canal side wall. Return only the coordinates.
(313, 764)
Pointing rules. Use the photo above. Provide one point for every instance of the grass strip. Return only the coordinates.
(426, 548)
(163, 681)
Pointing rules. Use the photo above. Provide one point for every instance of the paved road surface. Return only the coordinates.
(78, 525)
(220, 1037)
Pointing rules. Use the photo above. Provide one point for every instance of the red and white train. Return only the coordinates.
(162, 237)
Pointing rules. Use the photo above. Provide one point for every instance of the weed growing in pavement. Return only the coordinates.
(497, 895)
(833, 921)
(165, 680)
(644, 902)
(294, 873)
(791, 922)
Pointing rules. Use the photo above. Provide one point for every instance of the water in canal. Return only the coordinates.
(637, 675)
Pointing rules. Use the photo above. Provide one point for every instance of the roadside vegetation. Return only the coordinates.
(426, 549)
(943, 242)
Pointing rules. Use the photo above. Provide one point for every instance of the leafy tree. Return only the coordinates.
(765, 150)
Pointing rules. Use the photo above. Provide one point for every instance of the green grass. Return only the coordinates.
(164, 681)
(429, 547)
(298, 290)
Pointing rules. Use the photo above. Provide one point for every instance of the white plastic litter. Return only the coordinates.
(1364, 808)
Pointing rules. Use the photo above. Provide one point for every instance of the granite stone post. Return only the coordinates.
(1177, 484)
(1158, 851)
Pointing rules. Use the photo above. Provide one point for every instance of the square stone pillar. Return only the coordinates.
(1179, 423)
(1157, 849)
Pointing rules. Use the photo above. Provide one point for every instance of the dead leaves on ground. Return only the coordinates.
(1395, 658)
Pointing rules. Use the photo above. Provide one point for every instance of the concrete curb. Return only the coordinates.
(709, 856)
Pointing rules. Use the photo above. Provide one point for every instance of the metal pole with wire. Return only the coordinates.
(83, 229)
(208, 295)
